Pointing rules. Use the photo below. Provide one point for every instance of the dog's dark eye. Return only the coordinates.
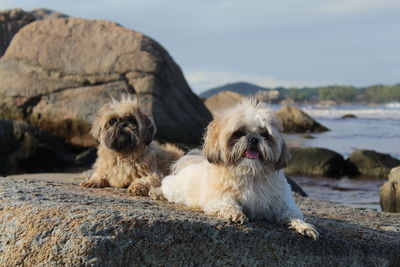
(238, 134)
(131, 119)
(112, 121)
(266, 135)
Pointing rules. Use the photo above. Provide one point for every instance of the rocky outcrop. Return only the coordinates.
(57, 73)
(60, 224)
(349, 116)
(294, 120)
(24, 148)
(315, 161)
(11, 21)
(390, 192)
(372, 163)
(43, 13)
(222, 100)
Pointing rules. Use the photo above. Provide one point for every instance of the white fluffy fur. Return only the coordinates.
(247, 188)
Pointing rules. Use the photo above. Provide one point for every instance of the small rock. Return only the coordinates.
(348, 116)
(394, 174)
(372, 163)
(390, 192)
(294, 120)
(25, 148)
(315, 161)
(222, 100)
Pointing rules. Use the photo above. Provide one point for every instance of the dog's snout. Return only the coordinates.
(253, 140)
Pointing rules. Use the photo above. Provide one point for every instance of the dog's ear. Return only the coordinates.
(211, 149)
(277, 123)
(95, 131)
(148, 129)
(284, 157)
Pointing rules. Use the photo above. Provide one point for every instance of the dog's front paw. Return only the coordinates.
(95, 183)
(304, 228)
(233, 215)
(155, 193)
(138, 190)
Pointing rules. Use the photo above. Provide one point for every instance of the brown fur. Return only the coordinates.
(139, 168)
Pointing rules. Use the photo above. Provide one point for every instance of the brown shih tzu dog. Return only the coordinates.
(239, 173)
(127, 155)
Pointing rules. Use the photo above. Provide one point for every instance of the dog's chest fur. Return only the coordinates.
(262, 197)
(121, 170)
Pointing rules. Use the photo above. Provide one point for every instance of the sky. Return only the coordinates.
(291, 43)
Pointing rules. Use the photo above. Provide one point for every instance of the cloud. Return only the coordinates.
(203, 80)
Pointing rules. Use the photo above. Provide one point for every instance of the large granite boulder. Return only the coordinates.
(315, 161)
(372, 163)
(223, 100)
(294, 120)
(11, 21)
(56, 74)
(25, 148)
(49, 223)
(390, 192)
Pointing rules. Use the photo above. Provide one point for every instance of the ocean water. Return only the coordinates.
(376, 128)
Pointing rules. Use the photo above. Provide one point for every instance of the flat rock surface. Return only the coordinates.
(49, 223)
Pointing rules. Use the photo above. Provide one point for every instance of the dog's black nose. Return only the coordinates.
(253, 140)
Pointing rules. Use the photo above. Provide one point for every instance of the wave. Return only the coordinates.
(365, 113)
(393, 105)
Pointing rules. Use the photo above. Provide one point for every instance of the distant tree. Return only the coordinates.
(338, 93)
(381, 93)
(293, 93)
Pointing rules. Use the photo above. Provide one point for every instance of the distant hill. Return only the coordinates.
(243, 88)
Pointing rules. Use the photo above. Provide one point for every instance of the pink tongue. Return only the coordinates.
(251, 154)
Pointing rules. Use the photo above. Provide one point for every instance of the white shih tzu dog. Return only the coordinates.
(238, 176)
